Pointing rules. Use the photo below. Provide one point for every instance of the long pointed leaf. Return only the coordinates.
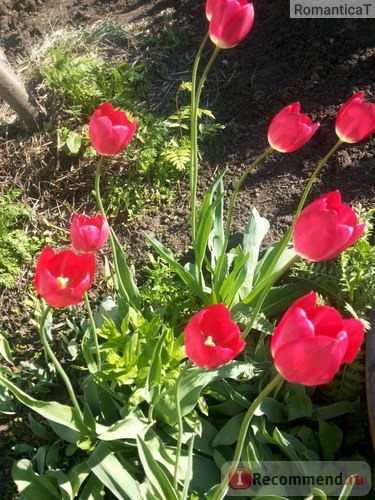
(112, 474)
(51, 410)
(123, 272)
(255, 231)
(30, 484)
(154, 472)
(154, 374)
(216, 237)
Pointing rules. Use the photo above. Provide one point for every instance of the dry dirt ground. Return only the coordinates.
(320, 63)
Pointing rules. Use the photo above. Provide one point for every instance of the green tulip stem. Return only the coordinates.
(94, 335)
(112, 236)
(286, 238)
(98, 173)
(179, 422)
(232, 204)
(220, 493)
(195, 98)
(239, 184)
(310, 183)
(56, 363)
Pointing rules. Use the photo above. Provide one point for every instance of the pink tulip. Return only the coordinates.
(88, 234)
(325, 228)
(62, 278)
(356, 119)
(230, 21)
(311, 342)
(110, 130)
(289, 130)
(211, 337)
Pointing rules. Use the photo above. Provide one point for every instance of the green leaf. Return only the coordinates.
(290, 445)
(194, 382)
(67, 434)
(128, 428)
(216, 237)
(37, 428)
(52, 410)
(109, 470)
(255, 231)
(234, 281)
(332, 411)
(330, 437)
(297, 403)
(77, 475)
(73, 142)
(154, 374)
(262, 274)
(124, 275)
(5, 349)
(185, 276)
(93, 489)
(228, 434)
(317, 494)
(63, 483)
(159, 480)
(30, 484)
(212, 199)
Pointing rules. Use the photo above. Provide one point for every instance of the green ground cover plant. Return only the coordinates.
(17, 246)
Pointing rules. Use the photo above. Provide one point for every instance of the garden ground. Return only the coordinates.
(319, 63)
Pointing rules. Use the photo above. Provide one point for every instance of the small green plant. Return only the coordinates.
(17, 247)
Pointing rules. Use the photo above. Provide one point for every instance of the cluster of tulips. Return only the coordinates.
(324, 229)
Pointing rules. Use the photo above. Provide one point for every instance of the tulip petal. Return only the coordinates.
(355, 331)
(326, 321)
(313, 234)
(311, 361)
(294, 326)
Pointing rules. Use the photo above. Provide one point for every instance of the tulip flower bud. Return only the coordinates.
(356, 119)
(325, 228)
(311, 342)
(62, 278)
(110, 130)
(290, 130)
(211, 337)
(88, 234)
(230, 21)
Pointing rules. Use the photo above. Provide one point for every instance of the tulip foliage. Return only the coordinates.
(161, 395)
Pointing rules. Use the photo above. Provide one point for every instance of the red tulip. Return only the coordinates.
(110, 130)
(290, 130)
(311, 342)
(325, 228)
(62, 278)
(88, 234)
(230, 21)
(211, 337)
(356, 119)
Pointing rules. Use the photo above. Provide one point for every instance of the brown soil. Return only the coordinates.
(320, 63)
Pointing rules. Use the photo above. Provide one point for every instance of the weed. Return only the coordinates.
(17, 247)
